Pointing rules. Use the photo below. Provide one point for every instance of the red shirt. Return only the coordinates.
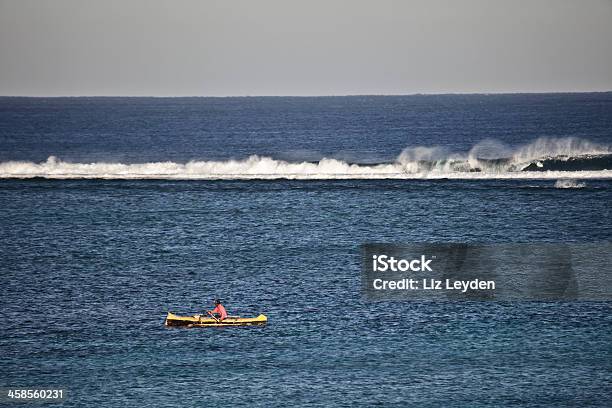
(221, 310)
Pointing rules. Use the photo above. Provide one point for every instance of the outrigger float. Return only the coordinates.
(173, 320)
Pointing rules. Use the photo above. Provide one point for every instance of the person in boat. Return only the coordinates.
(219, 311)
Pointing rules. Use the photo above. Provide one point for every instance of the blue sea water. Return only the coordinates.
(90, 266)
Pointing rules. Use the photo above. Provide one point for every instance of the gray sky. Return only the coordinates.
(308, 47)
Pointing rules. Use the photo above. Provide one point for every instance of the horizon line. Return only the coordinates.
(311, 96)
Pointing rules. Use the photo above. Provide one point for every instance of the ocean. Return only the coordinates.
(118, 210)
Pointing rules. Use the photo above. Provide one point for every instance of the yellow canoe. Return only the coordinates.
(207, 321)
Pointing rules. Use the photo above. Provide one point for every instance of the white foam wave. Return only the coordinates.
(492, 156)
(256, 167)
(487, 160)
(569, 183)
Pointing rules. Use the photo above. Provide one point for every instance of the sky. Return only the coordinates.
(307, 47)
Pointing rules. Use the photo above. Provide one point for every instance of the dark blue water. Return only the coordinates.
(360, 129)
(90, 267)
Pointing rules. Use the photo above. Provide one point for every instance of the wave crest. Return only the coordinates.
(544, 158)
(491, 156)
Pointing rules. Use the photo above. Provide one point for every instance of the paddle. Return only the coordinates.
(214, 317)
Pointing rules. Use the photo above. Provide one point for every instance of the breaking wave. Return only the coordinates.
(544, 158)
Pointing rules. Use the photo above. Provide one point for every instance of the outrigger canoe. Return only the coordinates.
(204, 321)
